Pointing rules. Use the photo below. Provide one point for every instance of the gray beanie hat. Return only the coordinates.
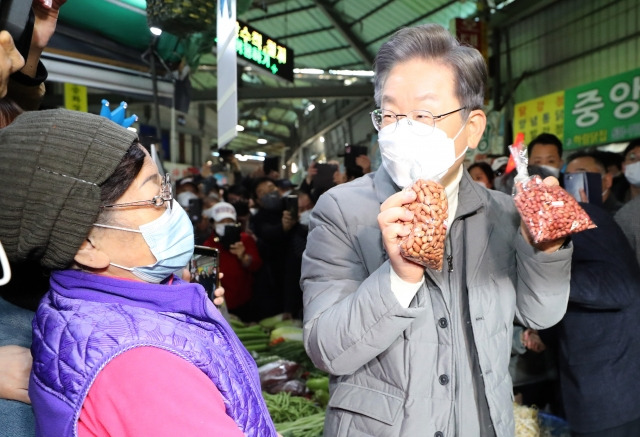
(52, 164)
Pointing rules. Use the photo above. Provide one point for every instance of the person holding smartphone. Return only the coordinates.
(157, 357)
(239, 258)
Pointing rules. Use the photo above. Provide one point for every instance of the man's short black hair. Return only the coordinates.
(610, 158)
(632, 145)
(257, 182)
(545, 138)
(584, 154)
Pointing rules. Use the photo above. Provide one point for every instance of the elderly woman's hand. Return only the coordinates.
(15, 367)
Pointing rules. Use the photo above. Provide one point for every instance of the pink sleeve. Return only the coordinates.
(150, 391)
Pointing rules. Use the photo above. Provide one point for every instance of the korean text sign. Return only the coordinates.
(601, 112)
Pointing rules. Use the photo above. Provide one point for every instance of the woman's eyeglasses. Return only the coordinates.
(166, 195)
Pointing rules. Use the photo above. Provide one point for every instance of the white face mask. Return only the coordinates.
(481, 183)
(305, 216)
(220, 229)
(632, 173)
(408, 155)
(553, 170)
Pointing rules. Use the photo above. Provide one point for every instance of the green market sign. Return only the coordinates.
(602, 112)
(263, 51)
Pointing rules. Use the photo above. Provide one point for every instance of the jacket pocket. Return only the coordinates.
(378, 405)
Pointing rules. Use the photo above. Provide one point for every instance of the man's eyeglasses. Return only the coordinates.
(382, 118)
(166, 195)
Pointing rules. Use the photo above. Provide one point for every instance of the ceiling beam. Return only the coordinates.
(279, 14)
(263, 93)
(416, 21)
(370, 13)
(319, 52)
(305, 33)
(341, 26)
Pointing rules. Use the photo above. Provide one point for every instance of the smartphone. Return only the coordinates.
(324, 178)
(231, 235)
(17, 18)
(351, 153)
(205, 268)
(291, 205)
(195, 210)
(591, 183)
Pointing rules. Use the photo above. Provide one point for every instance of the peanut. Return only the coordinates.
(425, 243)
(549, 213)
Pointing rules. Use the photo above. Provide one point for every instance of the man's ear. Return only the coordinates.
(475, 127)
(91, 256)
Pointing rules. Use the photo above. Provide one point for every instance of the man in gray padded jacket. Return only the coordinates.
(413, 351)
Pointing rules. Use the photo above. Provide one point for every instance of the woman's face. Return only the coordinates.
(129, 248)
(479, 176)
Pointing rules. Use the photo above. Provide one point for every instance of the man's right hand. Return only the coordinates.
(15, 367)
(10, 60)
(395, 223)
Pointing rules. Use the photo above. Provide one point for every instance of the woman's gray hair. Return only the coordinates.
(434, 42)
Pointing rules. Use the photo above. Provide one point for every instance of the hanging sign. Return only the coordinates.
(606, 111)
(544, 114)
(75, 97)
(227, 73)
(264, 51)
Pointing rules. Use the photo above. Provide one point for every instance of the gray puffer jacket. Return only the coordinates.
(385, 359)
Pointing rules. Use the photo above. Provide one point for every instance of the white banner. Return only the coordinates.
(227, 72)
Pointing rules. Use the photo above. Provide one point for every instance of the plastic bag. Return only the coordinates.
(548, 212)
(277, 372)
(425, 244)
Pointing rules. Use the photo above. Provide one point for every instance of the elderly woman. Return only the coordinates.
(121, 346)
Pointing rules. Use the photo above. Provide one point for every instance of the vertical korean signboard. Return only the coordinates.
(544, 114)
(75, 97)
(603, 112)
(227, 72)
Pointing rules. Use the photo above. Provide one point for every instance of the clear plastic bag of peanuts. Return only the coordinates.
(548, 212)
(425, 243)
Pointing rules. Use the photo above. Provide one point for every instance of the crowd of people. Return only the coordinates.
(583, 368)
(100, 309)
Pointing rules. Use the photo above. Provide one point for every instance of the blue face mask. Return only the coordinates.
(170, 238)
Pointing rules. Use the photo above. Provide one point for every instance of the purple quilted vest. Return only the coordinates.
(86, 320)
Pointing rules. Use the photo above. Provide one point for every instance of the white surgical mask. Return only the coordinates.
(170, 239)
(632, 173)
(555, 172)
(408, 155)
(482, 183)
(220, 229)
(305, 217)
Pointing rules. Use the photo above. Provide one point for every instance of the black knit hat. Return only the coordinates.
(52, 164)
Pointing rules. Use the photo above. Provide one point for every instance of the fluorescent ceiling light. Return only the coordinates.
(261, 154)
(261, 141)
(308, 71)
(363, 73)
(239, 128)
